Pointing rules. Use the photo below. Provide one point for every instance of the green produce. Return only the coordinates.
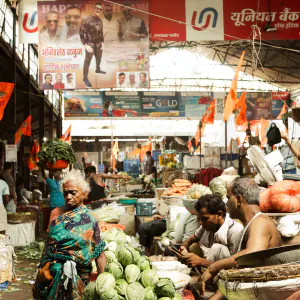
(90, 292)
(109, 295)
(149, 294)
(135, 291)
(165, 288)
(115, 268)
(54, 150)
(177, 296)
(126, 255)
(132, 273)
(121, 286)
(115, 235)
(32, 251)
(165, 298)
(149, 278)
(197, 191)
(110, 256)
(218, 187)
(144, 263)
(105, 282)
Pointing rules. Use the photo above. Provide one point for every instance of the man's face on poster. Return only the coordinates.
(142, 78)
(121, 79)
(98, 10)
(127, 12)
(73, 18)
(132, 78)
(48, 79)
(108, 12)
(70, 79)
(52, 22)
(58, 78)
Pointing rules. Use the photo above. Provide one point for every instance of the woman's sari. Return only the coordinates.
(74, 237)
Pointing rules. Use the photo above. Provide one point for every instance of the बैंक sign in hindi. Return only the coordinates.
(85, 44)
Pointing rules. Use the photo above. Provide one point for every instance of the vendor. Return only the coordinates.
(23, 195)
(97, 185)
(4, 199)
(74, 242)
(260, 232)
(294, 150)
(110, 183)
(149, 163)
(12, 204)
(217, 237)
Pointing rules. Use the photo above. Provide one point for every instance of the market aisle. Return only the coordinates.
(21, 289)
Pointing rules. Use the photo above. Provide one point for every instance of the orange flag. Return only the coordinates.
(284, 110)
(264, 124)
(33, 158)
(256, 131)
(6, 89)
(232, 95)
(241, 104)
(209, 115)
(24, 129)
(66, 137)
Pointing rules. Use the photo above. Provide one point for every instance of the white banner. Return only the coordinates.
(28, 22)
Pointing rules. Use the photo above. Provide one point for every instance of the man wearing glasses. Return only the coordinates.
(50, 34)
(91, 35)
(70, 32)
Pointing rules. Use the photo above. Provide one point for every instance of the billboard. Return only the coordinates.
(87, 44)
(223, 20)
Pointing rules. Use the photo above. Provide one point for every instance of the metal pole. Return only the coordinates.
(200, 139)
(226, 154)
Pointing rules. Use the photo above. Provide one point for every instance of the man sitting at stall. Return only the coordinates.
(260, 232)
(74, 242)
(218, 236)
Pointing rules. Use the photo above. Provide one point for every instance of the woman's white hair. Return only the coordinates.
(76, 177)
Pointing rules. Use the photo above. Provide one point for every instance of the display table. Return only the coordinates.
(22, 234)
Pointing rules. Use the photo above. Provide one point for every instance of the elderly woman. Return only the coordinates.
(74, 242)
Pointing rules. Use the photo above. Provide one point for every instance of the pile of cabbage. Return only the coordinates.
(128, 275)
(169, 234)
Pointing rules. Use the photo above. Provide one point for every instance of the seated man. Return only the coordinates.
(260, 232)
(218, 236)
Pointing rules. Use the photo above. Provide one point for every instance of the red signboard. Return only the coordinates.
(195, 20)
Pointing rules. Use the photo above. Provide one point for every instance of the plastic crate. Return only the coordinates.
(156, 154)
(230, 156)
(132, 165)
(144, 209)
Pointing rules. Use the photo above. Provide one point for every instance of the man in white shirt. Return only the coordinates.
(121, 80)
(110, 24)
(218, 236)
(132, 82)
(70, 81)
(50, 34)
(4, 200)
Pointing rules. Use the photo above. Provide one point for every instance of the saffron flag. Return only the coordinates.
(209, 115)
(66, 137)
(264, 124)
(6, 89)
(232, 95)
(284, 110)
(242, 106)
(33, 158)
(199, 133)
(24, 129)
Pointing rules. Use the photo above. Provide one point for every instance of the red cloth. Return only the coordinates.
(207, 175)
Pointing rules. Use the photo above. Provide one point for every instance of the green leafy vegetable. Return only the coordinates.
(105, 282)
(149, 278)
(132, 273)
(135, 291)
(121, 286)
(165, 288)
(115, 269)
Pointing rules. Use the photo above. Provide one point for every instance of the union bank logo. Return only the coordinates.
(208, 17)
(30, 26)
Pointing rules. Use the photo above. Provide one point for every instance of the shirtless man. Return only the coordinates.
(260, 232)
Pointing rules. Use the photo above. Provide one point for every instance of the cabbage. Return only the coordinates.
(149, 294)
(149, 278)
(105, 282)
(144, 263)
(112, 246)
(132, 273)
(109, 295)
(90, 292)
(165, 288)
(115, 235)
(135, 291)
(115, 269)
(110, 256)
(197, 191)
(177, 296)
(228, 179)
(165, 298)
(126, 255)
(121, 286)
(218, 187)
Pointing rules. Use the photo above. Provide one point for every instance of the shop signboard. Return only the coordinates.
(223, 20)
(83, 103)
(84, 44)
(159, 104)
(11, 153)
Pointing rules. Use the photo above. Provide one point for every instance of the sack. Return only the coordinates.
(273, 135)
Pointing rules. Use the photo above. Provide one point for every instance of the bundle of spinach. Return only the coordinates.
(32, 251)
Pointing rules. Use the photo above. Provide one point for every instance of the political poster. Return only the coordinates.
(92, 44)
(159, 104)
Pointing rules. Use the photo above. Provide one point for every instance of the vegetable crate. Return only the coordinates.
(132, 167)
(144, 209)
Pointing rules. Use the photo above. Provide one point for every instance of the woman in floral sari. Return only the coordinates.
(74, 242)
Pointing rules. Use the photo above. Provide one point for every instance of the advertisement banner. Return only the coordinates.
(28, 22)
(159, 104)
(278, 100)
(91, 45)
(220, 20)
